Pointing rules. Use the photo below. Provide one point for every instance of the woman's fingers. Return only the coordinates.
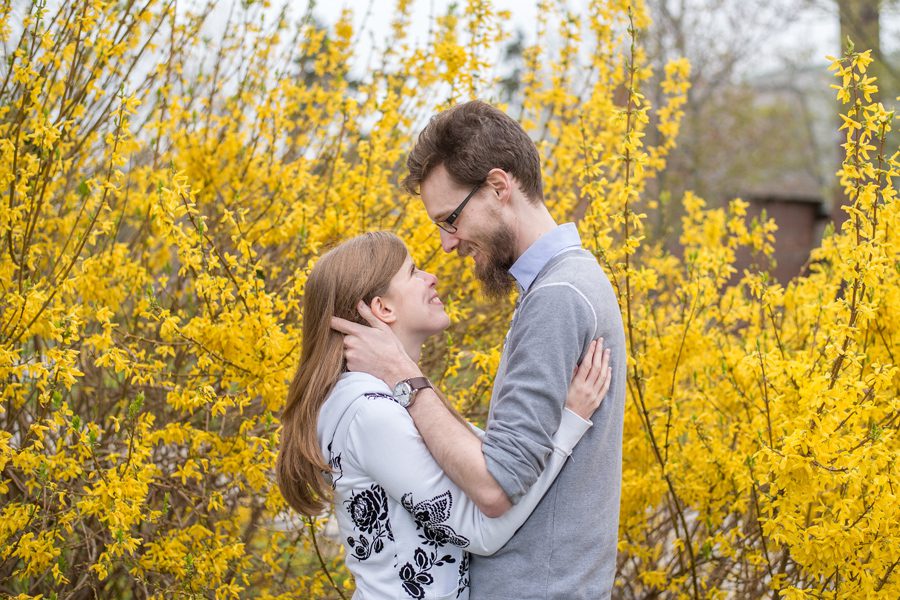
(592, 376)
(604, 389)
(583, 371)
(597, 362)
(602, 368)
(591, 380)
(601, 372)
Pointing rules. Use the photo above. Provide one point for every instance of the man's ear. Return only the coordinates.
(383, 310)
(500, 183)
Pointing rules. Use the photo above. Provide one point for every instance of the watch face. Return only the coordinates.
(402, 393)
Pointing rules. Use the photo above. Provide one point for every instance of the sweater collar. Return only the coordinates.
(525, 270)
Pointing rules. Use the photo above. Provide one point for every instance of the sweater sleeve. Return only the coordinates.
(384, 442)
(551, 331)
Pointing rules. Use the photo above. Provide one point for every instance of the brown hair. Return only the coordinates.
(470, 139)
(358, 269)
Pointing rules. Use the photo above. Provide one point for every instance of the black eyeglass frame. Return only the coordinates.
(448, 223)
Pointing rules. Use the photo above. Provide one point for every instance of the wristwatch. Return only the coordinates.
(405, 390)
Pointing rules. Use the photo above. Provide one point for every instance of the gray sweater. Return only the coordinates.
(567, 547)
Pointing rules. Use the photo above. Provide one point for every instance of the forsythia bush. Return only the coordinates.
(168, 175)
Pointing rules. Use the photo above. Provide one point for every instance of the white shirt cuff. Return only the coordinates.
(571, 429)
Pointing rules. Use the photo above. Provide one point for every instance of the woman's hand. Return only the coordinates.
(591, 381)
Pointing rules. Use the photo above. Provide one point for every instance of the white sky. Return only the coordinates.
(808, 39)
(523, 13)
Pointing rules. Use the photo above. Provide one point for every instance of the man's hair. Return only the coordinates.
(470, 139)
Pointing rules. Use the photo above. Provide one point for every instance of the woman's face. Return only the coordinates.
(414, 302)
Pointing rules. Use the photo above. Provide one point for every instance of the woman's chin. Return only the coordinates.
(440, 328)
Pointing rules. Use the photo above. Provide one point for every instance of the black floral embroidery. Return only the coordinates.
(430, 516)
(334, 461)
(369, 512)
(416, 577)
(373, 395)
(463, 574)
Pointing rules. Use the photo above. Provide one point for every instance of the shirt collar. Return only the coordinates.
(558, 240)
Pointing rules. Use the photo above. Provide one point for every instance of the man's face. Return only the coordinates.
(480, 232)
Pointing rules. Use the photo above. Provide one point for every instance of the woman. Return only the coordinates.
(406, 526)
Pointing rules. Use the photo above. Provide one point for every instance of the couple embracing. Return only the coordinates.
(428, 505)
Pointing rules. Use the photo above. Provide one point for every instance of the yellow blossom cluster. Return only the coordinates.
(170, 172)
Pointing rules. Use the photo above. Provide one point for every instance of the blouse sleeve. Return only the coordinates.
(384, 442)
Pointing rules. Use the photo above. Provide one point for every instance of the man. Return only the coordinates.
(479, 177)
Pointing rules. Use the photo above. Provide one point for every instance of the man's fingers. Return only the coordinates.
(350, 328)
(346, 327)
(366, 313)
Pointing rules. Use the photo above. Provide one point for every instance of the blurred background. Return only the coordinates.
(760, 121)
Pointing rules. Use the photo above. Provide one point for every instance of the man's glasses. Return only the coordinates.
(448, 223)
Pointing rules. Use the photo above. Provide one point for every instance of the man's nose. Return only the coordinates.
(449, 242)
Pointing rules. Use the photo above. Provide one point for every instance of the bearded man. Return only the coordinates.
(479, 177)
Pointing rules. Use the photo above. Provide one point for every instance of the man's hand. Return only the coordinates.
(375, 350)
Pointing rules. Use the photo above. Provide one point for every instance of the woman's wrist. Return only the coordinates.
(571, 429)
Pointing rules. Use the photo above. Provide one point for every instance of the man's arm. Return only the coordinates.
(458, 451)
(384, 442)
(582, 396)
(455, 447)
(552, 329)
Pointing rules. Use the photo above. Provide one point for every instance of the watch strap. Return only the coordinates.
(418, 383)
(415, 384)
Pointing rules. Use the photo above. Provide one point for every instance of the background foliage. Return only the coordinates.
(166, 188)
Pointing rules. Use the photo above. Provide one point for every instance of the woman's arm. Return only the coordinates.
(384, 442)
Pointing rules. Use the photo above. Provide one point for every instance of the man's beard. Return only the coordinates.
(498, 255)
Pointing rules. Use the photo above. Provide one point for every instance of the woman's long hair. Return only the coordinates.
(358, 269)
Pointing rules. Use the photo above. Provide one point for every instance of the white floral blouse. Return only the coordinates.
(406, 527)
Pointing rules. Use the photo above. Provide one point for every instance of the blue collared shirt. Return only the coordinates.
(526, 268)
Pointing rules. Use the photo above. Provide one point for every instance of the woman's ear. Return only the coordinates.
(383, 310)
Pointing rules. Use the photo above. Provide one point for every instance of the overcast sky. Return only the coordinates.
(811, 37)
